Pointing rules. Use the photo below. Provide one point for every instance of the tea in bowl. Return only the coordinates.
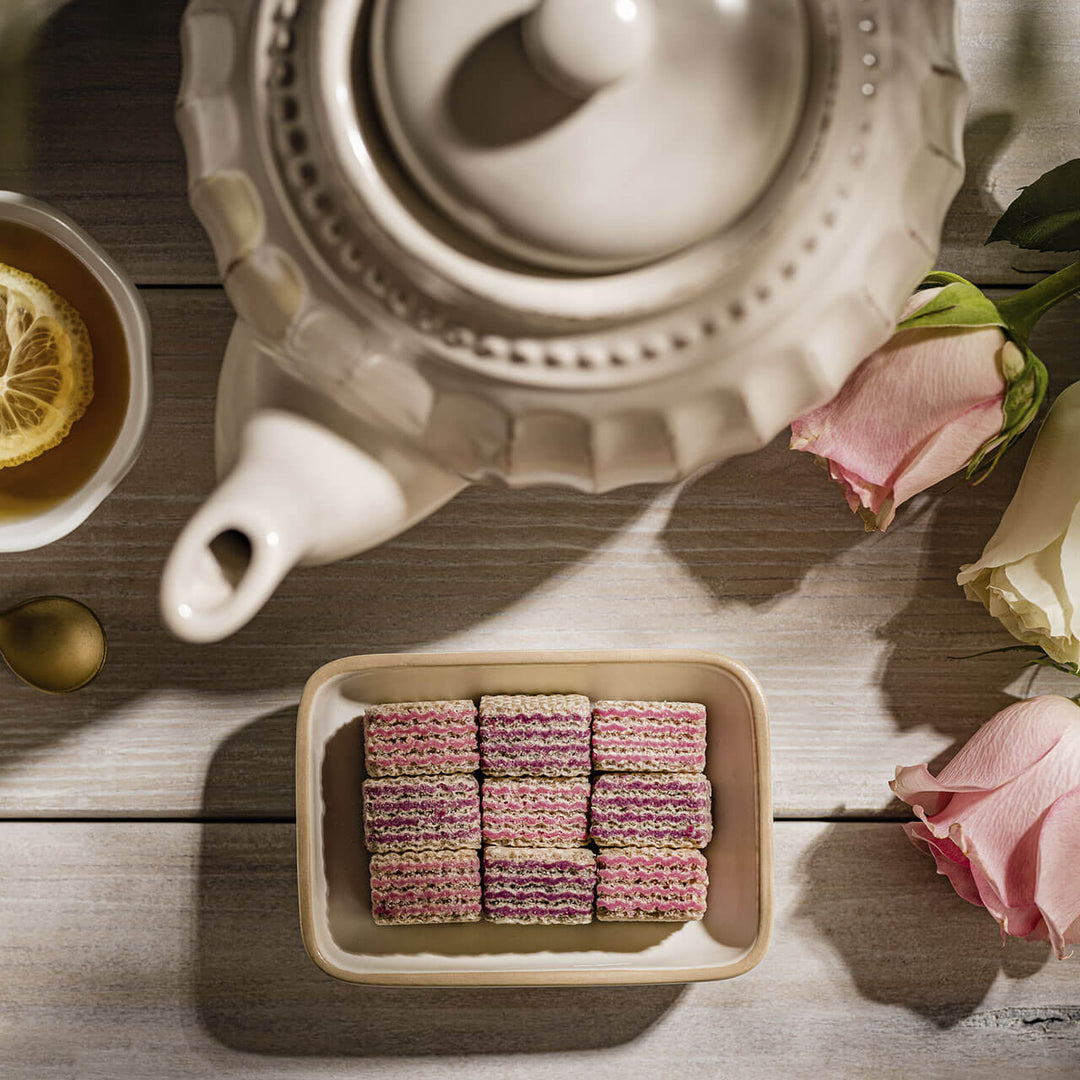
(75, 375)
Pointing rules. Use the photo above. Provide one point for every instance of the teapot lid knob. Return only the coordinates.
(581, 46)
(587, 136)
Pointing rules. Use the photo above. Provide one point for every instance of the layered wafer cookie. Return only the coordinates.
(414, 813)
(544, 735)
(651, 810)
(539, 885)
(650, 884)
(648, 736)
(425, 887)
(421, 738)
(535, 811)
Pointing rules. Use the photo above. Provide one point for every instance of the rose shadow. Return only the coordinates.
(731, 527)
(939, 624)
(895, 955)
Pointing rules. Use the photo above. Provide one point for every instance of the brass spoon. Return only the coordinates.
(53, 643)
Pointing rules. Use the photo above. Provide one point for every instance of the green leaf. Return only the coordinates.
(958, 304)
(1046, 215)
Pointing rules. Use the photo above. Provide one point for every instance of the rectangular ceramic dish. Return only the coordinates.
(335, 914)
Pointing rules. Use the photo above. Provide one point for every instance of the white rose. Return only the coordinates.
(1029, 573)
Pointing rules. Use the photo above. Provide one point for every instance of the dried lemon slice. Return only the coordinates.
(46, 367)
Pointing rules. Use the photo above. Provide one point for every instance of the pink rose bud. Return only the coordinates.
(930, 402)
(1002, 819)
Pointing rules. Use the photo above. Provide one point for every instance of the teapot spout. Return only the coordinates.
(297, 494)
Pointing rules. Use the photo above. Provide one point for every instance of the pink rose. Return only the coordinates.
(1002, 819)
(931, 401)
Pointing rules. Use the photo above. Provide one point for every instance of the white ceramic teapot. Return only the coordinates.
(585, 242)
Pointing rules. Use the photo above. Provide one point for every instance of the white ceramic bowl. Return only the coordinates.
(335, 911)
(36, 530)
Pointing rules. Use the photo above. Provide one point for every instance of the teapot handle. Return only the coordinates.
(297, 493)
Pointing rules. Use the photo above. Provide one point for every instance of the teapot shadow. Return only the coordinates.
(256, 989)
(894, 951)
(478, 555)
(974, 212)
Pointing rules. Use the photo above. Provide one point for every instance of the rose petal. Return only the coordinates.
(1004, 747)
(997, 823)
(1037, 589)
(957, 442)
(1023, 619)
(950, 860)
(901, 396)
(858, 491)
(1018, 918)
(1057, 889)
(1043, 507)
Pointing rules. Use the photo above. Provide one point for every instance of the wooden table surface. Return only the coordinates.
(148, 919)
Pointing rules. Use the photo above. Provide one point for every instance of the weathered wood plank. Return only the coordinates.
(96, 135)
(850, 634)
(1019, 57)
(94, 131)
(145, 950)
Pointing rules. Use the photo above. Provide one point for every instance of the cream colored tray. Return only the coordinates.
(335, 913)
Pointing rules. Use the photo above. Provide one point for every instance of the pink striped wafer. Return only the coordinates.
(536, 812)
(639, 884)
(651, 810)
(421, 738)
(414, 813)
(425, 887)
(535, 735)
(648, 736)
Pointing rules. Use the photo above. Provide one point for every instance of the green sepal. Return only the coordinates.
(1026, 388)
(959, 304)
(1045, 216)
(962, 305)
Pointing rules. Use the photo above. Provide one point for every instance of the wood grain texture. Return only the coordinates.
(154, 948)
(148, 950)
(95, 132)
(1021, 59)
(850, 634)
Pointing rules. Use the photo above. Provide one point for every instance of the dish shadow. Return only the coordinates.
(890, 929)
(257, 990)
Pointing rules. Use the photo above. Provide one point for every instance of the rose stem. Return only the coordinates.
(1023, 310)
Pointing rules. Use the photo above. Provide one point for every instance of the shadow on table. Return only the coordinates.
(257, 990)
(421, 587)
(938, 623)
(932, 639)
(905, 937)
(1025, 68)
(751, 529)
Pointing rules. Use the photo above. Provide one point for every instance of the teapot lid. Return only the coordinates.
(590, 135)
